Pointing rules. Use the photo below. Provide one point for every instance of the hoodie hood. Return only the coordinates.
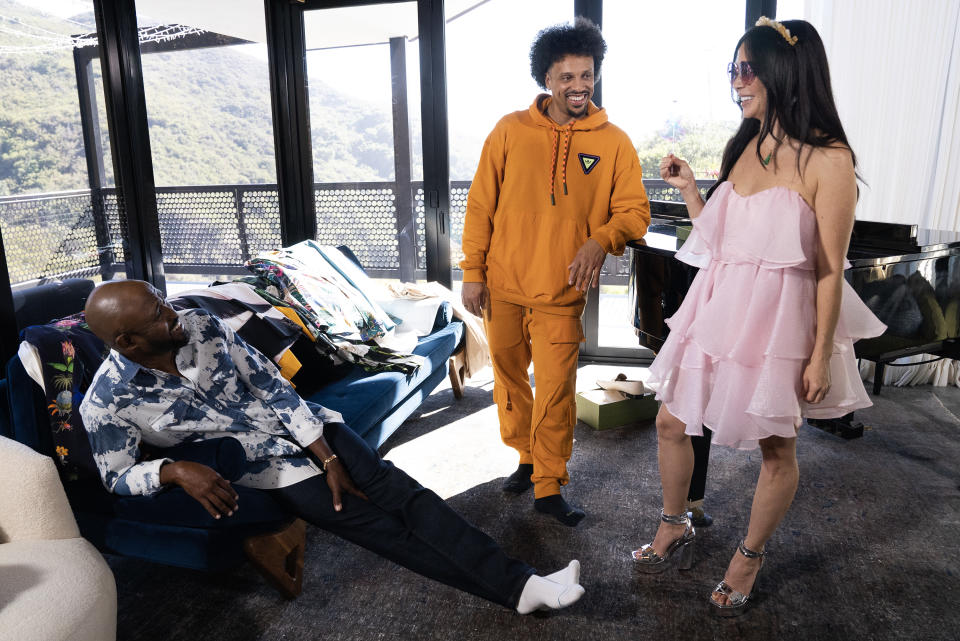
(596, 117)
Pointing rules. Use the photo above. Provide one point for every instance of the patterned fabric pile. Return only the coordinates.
(323, 292)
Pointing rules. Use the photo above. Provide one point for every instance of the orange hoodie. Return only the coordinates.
(540, 192)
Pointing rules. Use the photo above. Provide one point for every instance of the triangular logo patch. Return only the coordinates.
(588, 162)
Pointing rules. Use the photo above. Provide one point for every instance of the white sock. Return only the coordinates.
(568, 575)
(541, 593)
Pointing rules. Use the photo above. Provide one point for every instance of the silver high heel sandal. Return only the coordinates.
(647, 560)
(738, 602)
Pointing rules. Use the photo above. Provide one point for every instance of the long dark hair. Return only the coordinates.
(799, 96)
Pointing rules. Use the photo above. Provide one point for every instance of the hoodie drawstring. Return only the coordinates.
(567, 135)
(553, 166)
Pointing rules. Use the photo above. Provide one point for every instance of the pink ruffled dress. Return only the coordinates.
(739, 342)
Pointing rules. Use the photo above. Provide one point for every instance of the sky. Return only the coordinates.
(62, 8)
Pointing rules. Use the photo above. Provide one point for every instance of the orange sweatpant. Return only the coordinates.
(539, 427)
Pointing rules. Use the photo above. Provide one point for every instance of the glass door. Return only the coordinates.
(363, 83)
(684, 108)
(207, 89)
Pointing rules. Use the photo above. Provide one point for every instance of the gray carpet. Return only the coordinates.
(868, 550)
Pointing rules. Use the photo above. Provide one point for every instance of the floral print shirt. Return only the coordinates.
(228, 389)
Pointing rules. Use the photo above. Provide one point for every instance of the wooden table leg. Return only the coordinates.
(278, 556)
(457, 371)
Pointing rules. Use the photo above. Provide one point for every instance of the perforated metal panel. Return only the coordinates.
(261, 219)
(458, 213)
(50, 236)
(222, 225)
(200, 227)
(116, 218)
(362, 216)
(205, 228)
(659, 189)
(418, 215)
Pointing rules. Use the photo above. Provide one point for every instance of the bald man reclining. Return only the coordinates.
(175, 377)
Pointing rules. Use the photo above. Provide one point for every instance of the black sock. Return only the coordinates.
(519, 481)
(557, 507)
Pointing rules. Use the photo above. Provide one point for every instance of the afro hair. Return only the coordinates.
(582, 38)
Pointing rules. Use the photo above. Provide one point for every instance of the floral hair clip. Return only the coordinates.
(764, 21)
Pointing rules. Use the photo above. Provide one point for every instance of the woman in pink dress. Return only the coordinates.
(764, 336)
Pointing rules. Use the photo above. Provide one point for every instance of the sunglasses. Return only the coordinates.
(743, 70)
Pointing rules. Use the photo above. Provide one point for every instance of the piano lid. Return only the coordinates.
(870, 242)
(901, 238)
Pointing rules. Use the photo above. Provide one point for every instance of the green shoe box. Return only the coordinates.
(604, 410)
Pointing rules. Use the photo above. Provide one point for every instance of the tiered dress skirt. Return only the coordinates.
(739, 343)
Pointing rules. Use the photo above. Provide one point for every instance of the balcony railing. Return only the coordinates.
(213, 230)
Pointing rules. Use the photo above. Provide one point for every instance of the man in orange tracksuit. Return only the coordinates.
(557, 189)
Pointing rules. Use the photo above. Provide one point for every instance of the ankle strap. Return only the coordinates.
(675, 519)
(747, 552)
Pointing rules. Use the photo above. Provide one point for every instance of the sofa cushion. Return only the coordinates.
(40, 304)
(69, 356)
(364, 399)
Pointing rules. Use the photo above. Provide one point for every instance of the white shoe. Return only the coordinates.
(633, 388)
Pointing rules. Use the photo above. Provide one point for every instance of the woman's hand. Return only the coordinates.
(677, 173)
(816, 380)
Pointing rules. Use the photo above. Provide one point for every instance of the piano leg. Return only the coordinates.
(844, 427)
(878, 372)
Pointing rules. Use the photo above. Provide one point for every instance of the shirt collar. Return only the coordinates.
(125, 367)
(128, 368)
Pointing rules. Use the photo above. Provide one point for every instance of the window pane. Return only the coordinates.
(207, 91)
(665, 83)
(481, 89)
(365, 154)
(56, 220)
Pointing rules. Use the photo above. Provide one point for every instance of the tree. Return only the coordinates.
(700, 144)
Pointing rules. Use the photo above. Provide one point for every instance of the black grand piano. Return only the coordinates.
(908, 277)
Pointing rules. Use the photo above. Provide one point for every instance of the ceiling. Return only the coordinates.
(323, 27)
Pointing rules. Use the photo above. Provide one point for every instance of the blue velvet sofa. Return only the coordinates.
(170, 527)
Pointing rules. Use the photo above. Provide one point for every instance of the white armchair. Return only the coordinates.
(54, 585)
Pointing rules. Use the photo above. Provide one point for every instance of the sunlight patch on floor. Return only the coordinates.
(468, 452)
(459, 456)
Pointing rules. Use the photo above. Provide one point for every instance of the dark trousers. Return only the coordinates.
(701, 454)
(406, 523)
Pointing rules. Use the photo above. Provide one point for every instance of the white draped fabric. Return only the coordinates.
(895, 68)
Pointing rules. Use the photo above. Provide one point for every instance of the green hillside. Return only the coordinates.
(209, 113)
